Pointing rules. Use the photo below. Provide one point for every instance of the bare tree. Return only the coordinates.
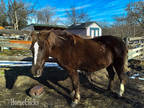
(135, 13)
(135, 18)
(3, 14)
(128, 25)
(77, 16)
(44, 15)
(18, 13)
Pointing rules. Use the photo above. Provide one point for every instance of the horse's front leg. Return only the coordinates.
(75, 83)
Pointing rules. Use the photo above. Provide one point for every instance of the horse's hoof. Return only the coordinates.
(120, 95)
(108, 92)
(73, 104)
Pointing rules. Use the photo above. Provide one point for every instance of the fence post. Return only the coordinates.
(126, 61)
(142, 42)
(1, 49)
(127, 41)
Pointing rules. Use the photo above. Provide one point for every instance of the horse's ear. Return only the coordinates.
(74, 40)
(70, 36)
(52, 29)
(34, 35)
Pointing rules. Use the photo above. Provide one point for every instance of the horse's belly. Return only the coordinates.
(93, 67)
(96, 68)
(96, 64)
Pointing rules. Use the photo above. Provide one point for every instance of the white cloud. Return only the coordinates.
(69, 9)
(61, 15)
(108, 13)
(63, 19)
(115, 4)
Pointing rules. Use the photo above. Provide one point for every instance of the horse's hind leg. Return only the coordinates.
(111, 74)
(119, 67)
(75, 82)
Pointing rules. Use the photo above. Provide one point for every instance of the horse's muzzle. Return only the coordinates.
(37, 72)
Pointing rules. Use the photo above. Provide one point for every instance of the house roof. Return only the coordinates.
(61, 26)
(81, 25)
(12, 31)
(46, 26)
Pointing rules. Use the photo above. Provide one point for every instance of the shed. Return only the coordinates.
(38, 27)
(88, 29)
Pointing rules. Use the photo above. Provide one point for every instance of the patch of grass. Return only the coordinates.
(142, 63)
(2, 71)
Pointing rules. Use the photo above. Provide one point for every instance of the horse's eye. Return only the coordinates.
(41, 47)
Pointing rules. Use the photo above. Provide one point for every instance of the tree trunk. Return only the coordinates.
(16, 21)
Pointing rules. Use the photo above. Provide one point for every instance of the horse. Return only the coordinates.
(74, 53)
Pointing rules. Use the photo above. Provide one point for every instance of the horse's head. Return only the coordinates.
(39, 51)
(43, 44)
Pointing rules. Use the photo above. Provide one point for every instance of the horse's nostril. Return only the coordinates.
(37, 73)
(36, 76)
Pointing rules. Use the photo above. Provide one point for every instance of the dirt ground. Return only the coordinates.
(15, 83)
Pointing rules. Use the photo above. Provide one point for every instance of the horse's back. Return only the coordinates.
(116, 44)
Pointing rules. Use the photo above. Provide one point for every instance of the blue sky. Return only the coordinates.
(98, 10)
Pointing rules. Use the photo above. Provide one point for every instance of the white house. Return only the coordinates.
(88, 29)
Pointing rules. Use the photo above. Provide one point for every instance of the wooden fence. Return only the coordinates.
(15, 44)
(19, 44)
(135, 46)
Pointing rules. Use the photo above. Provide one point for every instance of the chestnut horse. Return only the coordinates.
(75, 53)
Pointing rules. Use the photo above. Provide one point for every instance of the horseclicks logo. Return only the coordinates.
(26, 102)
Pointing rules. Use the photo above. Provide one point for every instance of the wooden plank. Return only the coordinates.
(134, 44)
(135, 55)
(4, 40)
(10, 31)
(20, 44)
(20, 41)
(136, 49)
(15, 41)
(15, 45)
(16, 58)
(135, 38)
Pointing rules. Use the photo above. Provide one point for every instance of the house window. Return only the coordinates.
(94, 32)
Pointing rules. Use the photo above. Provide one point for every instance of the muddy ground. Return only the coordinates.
(15, 83)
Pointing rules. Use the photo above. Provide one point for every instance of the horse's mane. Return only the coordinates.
(64, 33)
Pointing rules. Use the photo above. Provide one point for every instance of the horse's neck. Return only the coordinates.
(56, 52)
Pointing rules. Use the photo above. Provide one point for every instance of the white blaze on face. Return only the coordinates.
(36, 48)
(121, 89)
